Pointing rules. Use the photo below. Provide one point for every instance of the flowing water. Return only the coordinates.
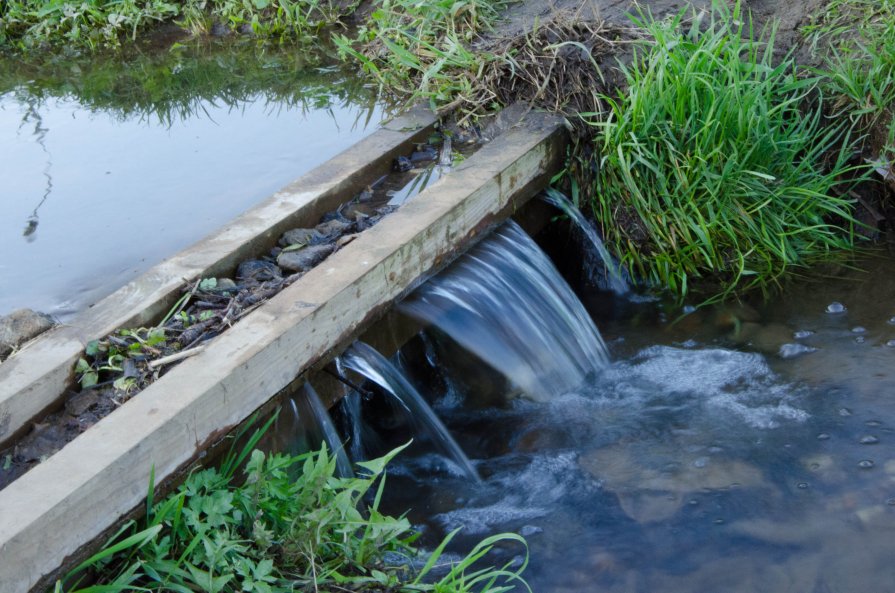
(111, 165)
(506, 302)
(605, 271)
(374, 367)
(736, 448)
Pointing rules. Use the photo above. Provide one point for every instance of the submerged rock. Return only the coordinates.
(304, 259)
(402, 164)
(20, 326)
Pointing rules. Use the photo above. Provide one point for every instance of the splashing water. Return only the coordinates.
(614, 276)
(365, 360)
(507, 303)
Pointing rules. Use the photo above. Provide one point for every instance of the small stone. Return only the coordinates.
(226, 285)
(330, 231)
(81, 402)
(20, 326)
(793, 350)
(802, 334)
(835, 308)
(858, 329)
(304, 259)
(424, 154)
(402, 164)
(298, 237)
(869, 439)
(258, 270)
(345, 240)
(865, 464)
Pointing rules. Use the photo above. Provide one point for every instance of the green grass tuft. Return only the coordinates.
(710, 168)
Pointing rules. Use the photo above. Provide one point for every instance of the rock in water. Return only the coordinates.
(304, 259)
(20, 326)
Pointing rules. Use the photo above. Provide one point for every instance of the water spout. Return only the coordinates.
(365, 360)
(614, 276)
(506, 302)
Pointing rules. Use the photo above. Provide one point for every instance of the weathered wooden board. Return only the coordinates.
(34, 379)
(82, 490)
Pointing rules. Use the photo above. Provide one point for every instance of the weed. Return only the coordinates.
(709, 167)
(288, 524)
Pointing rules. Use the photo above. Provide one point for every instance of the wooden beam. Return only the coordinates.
(33, 380)
(84, 488)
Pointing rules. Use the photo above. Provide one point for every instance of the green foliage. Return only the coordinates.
(105, 23)
(273, 532)
(713, 166)
(420, 49)
(860, 70)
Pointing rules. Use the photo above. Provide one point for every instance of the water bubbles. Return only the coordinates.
(858, 329)
(718, 521)
(844, 412)
(866, 464)
(873, 423)
(687, 309)
(793, 350)
(835, 308)
(869, 439)
(802, 485)
(891, 343)
(860, 340)
(891, 320)
(823, 437)
(802, 334)
(890, 502)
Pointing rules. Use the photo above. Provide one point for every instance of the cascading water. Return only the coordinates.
(319, 426)
(366, 361)
(507, 303)
(351, 405)
(614, 276)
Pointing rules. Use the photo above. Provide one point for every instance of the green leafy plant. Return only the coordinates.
(714, 164)
(287, 523)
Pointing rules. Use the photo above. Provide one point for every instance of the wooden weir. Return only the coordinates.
(81, 491)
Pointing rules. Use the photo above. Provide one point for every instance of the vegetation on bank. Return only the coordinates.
(716, 162)
(288, 523)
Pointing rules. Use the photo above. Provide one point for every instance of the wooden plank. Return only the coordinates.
(33, 380)
(83, 489)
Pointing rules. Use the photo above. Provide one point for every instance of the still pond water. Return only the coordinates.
(740, 449)
(111, 165)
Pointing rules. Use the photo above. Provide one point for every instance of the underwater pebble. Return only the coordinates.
(802, 485)
(891, 343)
(530, 530)
(836, 307)
(844, 412)
(802, 334)
(823, 437)
(865, 464)
(868, 439)
(793, 350)
(858, 329)
(891, 320)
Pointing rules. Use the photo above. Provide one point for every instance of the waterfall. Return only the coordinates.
(366, 361)
(351, 406)
(308, 406)
(614, 276)
(506, 302)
